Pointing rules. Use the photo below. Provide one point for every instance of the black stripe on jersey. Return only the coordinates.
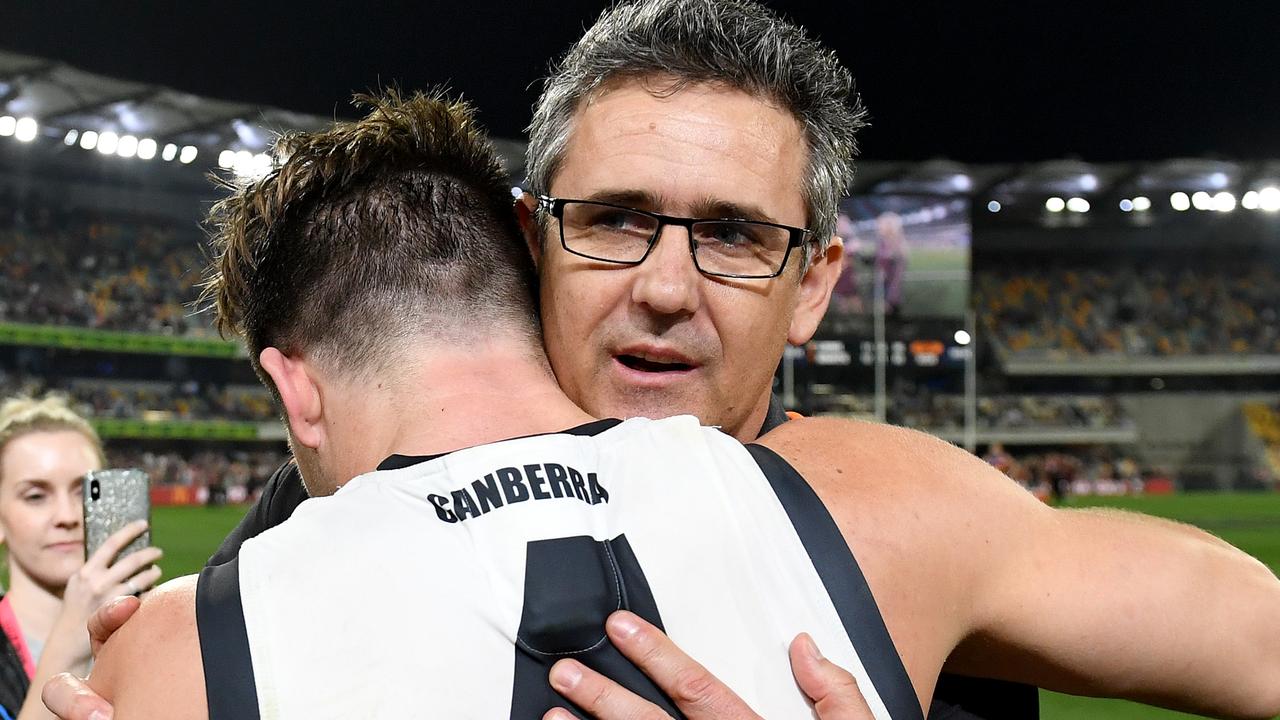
(224, 644)
(595, 427)
(844, 582)
(571, 585)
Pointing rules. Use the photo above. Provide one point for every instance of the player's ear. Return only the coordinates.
(298, 393)
(526, 214)
(815, 291)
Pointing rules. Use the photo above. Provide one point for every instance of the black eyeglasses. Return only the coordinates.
(731, 248)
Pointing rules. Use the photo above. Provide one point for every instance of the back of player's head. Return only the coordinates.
(736, 43)
(370, 236)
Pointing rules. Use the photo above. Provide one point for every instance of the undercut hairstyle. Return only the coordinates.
(371, 234)
(23, 415)
(736, 43)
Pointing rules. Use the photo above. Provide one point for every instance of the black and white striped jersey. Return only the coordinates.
(447, 586)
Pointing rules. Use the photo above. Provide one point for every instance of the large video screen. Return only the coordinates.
(919, 247)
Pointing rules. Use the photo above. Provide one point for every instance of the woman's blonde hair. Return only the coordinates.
(22, 415)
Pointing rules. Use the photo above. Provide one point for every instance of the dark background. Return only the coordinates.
(989, 81)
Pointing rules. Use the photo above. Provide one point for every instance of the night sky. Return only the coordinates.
(983, 82)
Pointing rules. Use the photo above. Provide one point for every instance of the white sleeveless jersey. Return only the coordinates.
(446, 587)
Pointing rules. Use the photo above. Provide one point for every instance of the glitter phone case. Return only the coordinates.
(112, 499)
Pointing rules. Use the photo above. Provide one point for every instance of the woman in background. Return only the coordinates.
(45, 451)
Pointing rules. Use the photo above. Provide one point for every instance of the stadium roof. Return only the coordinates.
(63, 98)
(48, 99)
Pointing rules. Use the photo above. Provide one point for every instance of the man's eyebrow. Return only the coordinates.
(711, 208)
(706, 208)
(639, 199)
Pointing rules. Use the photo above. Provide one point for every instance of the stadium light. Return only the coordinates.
(1078, 205)
(8, 124)
(963, 337)
(128, 146)
(107, 142)
(188, 154)
(1224, 202)
(1142, 203)
(1180, 201)
(1055, 204)
(1126, 205)
(71, 137)
(169, 153)
(993, 206)
(1269, 199)
(88, 139)
(1250, 200)
(25, 129)
(146, 148)
(227, 159)
(1202, 201)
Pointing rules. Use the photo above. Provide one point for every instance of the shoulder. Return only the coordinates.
(151, 666)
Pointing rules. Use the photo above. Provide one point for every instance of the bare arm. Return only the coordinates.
(151, 667)
(1089, 602)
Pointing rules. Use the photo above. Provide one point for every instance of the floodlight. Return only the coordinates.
(8, 124)
(88, 139)
(72, 136)
(107, 142)
(128, 146)
(226, 159)
(1078, 205)
(1202, 201)
(25, 129)
(1269, 199)
(1142, 203)
(1250, 200)
(963, 337)
(1224, 202)
(1055, 204)
(1126, 205)
(1180, 201)
(188, 154)
(146, 148)
(993, 206)
(169, 153)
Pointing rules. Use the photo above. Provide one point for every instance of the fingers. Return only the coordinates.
(599, 696)
(139, 583)
(833, 690)
(132, 565)
(116, 542)
(68, 697)
(695, 691)
(110, 618)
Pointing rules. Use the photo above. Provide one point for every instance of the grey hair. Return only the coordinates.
(738, 43)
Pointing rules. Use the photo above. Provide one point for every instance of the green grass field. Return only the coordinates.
(1251, 522)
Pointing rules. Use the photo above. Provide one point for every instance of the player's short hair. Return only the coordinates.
(22, 415)
(370, 234)
(737, 43)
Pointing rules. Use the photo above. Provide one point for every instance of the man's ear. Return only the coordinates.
(299, 393)
(815, 291)
(526, 214)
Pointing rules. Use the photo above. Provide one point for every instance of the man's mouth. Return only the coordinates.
(642, 364)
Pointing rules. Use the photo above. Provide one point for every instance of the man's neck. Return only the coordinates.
(460, 398)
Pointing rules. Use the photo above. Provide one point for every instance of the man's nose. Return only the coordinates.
(668, 282)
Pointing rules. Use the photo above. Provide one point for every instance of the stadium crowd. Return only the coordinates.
(1132, 307)
(919, 408)
(187, 400)
(237, 474)
(94, 270)
(1101, 470)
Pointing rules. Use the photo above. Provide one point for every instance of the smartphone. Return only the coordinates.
(112, 499)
